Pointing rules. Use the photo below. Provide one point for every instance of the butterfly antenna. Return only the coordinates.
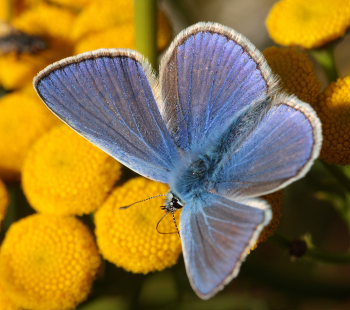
(134, 203)
(168, 233)
(177, 229)
(161, 219)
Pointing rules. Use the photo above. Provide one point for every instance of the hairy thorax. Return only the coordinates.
(193, 180)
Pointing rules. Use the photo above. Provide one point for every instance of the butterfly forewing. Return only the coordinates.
(209, 75)
(106, 96)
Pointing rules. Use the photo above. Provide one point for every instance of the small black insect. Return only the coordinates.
(15, 41)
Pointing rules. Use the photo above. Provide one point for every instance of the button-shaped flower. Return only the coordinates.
(66, 174)
(333, 108)
(48, 262)
(309, 24)
(128, 237)
(296, 71)
(23, 119)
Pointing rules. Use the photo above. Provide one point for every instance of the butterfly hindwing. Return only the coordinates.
(279, 149)
(209, 75)
(216, 237)
(106, 96)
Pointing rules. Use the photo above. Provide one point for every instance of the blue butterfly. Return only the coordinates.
(215, 128)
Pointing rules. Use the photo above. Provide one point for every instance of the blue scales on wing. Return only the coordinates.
(106, 96)
(216, 237)
(208, 77)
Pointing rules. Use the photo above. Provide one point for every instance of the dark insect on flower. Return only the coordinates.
(16, 41)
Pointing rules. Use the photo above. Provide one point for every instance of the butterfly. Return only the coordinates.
(214, 126)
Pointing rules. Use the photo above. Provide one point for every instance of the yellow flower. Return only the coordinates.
(296, 70)
(333, 108)
(128, 238)
(18, 69)
(102, 15)
(5, 302)
(48, 262)
(65, 174)
(3, 201)
(76, 4)
(39, 21)
(113, 26)
(310, 23)
(23, 119)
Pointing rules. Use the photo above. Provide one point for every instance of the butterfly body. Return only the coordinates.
(214, 127)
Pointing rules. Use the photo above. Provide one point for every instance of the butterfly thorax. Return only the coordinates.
(193, 180)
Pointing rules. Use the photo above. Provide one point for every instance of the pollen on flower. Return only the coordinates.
(3, 202)
(309, 24)
(128, 238)
(123, 36)
(333, 108)
(23, 119)
(296, 71)
(65, 174)
(5, 302)
(48, 262)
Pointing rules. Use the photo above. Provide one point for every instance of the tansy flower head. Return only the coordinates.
(128, 238)
(18, 69)
(3, 201)
(23, 119)
(48, 262)
(104, 14)
(333, 108)
(113, 26)
(296, 70)
(65, 174)
(310, 23)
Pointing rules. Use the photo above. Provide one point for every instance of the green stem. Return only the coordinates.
(325, 57)
(314, 253)
(338, 174)
(146, 29)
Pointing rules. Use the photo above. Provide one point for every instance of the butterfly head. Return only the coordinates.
(173, 203)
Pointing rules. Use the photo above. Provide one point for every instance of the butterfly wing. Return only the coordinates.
(216, 238)
(106, 96)
(277, 151)
(209, 75)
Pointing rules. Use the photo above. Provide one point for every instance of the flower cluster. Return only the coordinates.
(310, 25)
(49, 260)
